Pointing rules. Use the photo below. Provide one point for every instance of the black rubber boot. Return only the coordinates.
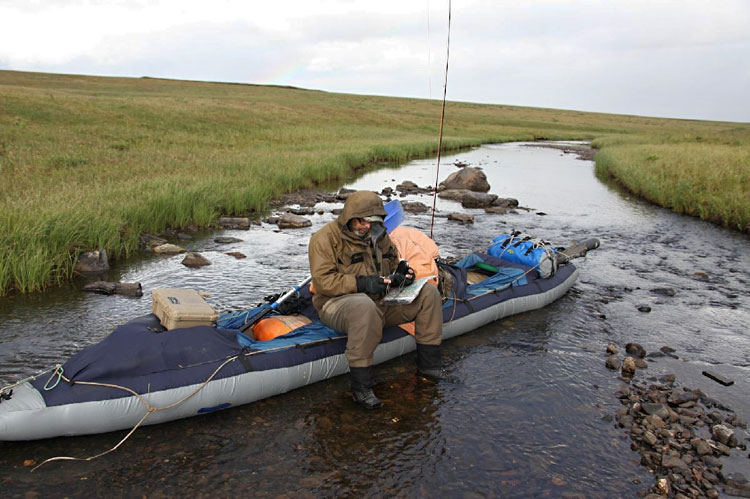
(361, 380)
(429, 362)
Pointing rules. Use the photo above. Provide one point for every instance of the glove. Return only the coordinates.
(403, 275)
(371, 284)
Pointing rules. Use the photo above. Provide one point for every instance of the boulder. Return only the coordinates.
(292, 221)
(168, 249)
(195, 260)
(92, 262)
(470, 178)
(477, 199)
(241, 223)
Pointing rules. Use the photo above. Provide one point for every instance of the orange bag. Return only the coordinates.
(271, 327)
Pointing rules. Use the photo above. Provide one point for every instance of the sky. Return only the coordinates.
(681, 58)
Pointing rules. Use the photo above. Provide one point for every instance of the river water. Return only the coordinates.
(527, 410)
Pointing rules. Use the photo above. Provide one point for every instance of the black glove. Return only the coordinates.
(403, 275)
(371, 284)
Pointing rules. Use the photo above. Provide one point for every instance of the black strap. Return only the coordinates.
(245, 360)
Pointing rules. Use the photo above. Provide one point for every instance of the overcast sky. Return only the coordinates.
(682, 58)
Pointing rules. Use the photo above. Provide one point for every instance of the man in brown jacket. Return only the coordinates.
(352, 261)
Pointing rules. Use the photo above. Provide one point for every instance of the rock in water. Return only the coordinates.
(477, 199)
(613, 363)
(92, 262)
(453, 194)
(635, 349)
(292, 221)
(227, 240)
(414, 207)
(628, 366)
(241, 223)
(195, 260)
(470, 178)
(168, 249)
(464, 218)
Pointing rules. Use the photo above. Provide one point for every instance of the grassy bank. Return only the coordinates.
(90, 162)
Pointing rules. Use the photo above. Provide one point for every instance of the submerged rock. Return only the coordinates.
(194, 260)
(236, 254)
(169, 249)
(112, 288)
(613, 363)
(227, 240)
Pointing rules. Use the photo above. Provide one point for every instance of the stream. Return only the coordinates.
(528, 408)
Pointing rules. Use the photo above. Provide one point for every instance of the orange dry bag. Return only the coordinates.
(276, 325)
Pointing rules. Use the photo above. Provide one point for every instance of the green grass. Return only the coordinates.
(91, 162)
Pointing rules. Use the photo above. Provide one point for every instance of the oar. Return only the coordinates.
(267, 310)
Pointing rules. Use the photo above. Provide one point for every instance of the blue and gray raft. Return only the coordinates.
(141, 374)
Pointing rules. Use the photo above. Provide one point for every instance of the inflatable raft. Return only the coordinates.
(144, 374)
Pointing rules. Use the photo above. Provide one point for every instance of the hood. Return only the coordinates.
(361, 204)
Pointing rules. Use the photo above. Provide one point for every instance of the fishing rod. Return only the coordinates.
(442, 120)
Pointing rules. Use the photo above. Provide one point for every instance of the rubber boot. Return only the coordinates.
(361, 381)
(429, 361)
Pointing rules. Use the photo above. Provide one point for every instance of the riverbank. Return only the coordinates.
(91, 162)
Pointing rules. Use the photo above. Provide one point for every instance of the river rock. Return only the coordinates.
(453, 194)
(496, 210)
(194, 260)
(387, 191)
(236, 254)
(304, 210)
(409, 187)
(635, 349)
(238, 223)
(506, 202)
(613, 363)
(470, 178)
(292, 221)
(644, 308)
(664, 291)
(681, 397)
(701, 447)
(463, 218)
(660, 410)
(92, 262)
(612, 349)
(227, 240)
(724, 435)
(477, 199)
(169, 249)
(641, 364)
(628, 366)
(414, 207)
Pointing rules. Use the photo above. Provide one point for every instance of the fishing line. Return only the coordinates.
(442, 120)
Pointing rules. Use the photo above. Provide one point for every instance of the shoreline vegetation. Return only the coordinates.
(93, 162)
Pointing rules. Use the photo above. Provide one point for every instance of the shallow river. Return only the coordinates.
(527, 411)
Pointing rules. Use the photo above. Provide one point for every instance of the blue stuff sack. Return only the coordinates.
(525, 251)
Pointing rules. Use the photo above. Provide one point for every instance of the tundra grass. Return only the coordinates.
(90, 162)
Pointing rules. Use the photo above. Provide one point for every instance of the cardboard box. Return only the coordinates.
(180, 308)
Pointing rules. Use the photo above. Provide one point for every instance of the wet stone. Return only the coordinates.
(414, 207)
(636, 350)
(641, 364)
(227, 240)
(644, 308)
(241, 223)
(613, 363)
(612, 349)
(463, 218)
(660, 410)
(292, 221)
(680, 397)
(168, 249)
(195, 260)
(664, 291)
(628, 366)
